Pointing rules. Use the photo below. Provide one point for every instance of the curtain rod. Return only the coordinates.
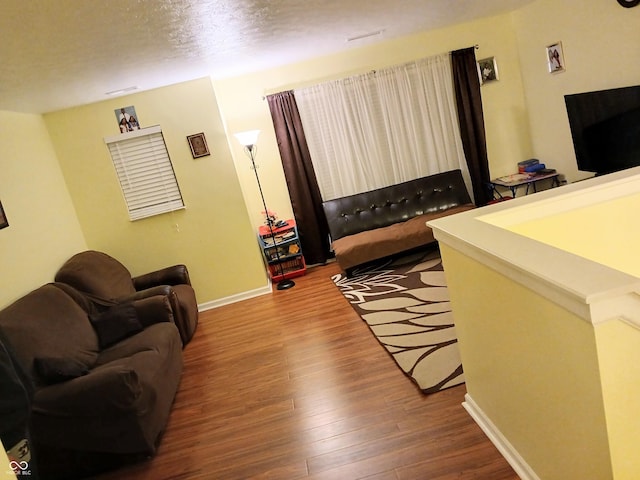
(476, 46)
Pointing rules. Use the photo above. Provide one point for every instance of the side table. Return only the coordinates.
(527, 180)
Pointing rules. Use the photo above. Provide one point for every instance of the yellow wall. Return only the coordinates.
(550, 335)
(601, 42)
(5, 469)
(43, 228)
(619, 356)
(605, 232)
(243, 106)
(212, 236)
(532, 367)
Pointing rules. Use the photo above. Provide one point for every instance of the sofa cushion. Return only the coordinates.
(48, 323)
(149, 339)
(363, 247)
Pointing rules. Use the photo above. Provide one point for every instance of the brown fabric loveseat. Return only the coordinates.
(390, 220)
(105, 278)
(104, 379)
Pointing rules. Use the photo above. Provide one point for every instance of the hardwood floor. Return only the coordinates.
(292, 385)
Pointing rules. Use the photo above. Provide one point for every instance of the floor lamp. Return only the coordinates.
(248, 140)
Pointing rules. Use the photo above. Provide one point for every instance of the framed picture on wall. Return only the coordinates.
(127, 119)
(487, 70)
(555, 58)
(198, 145)
(3, 218)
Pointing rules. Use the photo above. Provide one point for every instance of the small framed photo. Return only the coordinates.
(127, 119)
(487, 70)
(198, 145)
(555, 58)
(3, 218)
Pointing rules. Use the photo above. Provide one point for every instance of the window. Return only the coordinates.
(145, 172)
(383, 127)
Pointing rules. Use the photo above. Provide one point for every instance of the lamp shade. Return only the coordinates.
(250, 137)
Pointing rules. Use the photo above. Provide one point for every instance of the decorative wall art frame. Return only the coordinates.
(487, 70)
(127, 119)
(555, 58)
(198, 145)
(3, 218)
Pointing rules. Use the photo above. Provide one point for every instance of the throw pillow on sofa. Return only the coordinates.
(56, 370)
(115, 324)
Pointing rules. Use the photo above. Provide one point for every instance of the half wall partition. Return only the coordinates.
(545, 295)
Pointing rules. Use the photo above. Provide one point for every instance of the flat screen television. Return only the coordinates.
(605, 128)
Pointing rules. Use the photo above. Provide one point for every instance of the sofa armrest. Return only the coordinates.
(174, 275)
(165, 290)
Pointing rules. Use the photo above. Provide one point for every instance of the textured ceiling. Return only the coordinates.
(62, 53)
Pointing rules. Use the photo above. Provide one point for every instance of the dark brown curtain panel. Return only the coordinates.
(471, 118)
(301, 178)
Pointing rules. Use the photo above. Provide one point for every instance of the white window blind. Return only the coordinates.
(145, 172)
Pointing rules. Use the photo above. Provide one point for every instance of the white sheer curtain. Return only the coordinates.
(382, 128)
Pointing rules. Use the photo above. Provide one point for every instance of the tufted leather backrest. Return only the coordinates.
(396, 203)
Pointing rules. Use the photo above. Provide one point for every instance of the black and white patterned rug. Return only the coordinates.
(405, 302)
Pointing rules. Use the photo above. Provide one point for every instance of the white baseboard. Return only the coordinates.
(522, 468)
(235, 298)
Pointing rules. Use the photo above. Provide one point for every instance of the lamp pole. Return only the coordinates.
(248, 139)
